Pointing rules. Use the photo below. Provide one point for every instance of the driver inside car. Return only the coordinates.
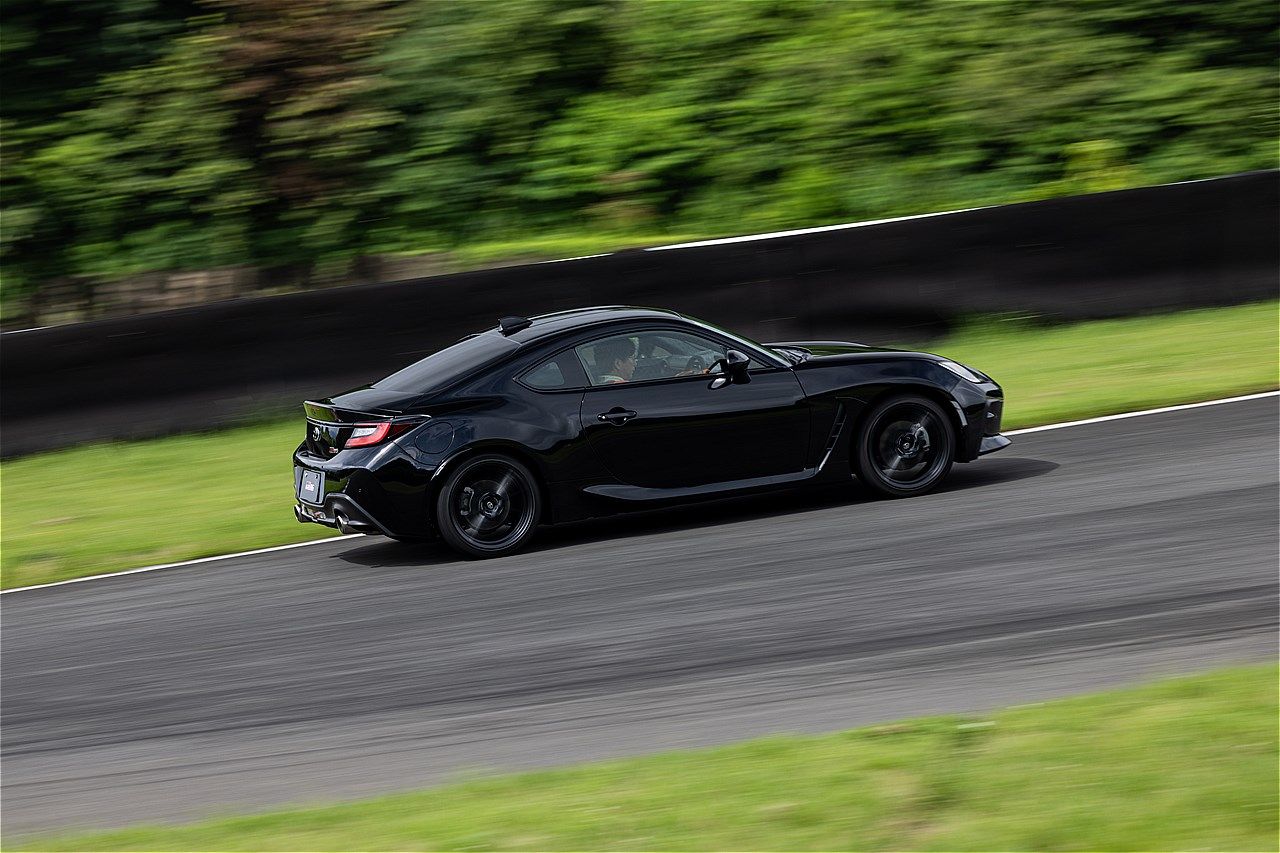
(616, 358)
(616, 361)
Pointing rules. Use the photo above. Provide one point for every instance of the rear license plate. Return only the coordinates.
(311, 487)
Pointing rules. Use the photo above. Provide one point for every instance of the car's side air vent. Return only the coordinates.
(836, 428)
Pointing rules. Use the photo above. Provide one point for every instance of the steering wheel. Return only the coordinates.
(696, 364)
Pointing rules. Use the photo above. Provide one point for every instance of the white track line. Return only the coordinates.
(183, 563)
(1045, 428)
(817, 229)
(1159, 411)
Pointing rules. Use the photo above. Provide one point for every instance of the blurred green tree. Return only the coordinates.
(53, 55)
(307, 133)
(475, 85)
(145, 178)
(307, 116)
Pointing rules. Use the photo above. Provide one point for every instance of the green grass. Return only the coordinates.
(1052, 374)
(1179, 765)
(106, 507)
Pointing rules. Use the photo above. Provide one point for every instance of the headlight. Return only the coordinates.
(963, 372)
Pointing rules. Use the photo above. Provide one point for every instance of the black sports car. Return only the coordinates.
(603, 410)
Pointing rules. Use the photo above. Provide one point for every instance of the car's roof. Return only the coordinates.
(548, 325)
(490, 348)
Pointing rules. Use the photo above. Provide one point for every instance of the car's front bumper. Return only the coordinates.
(981, 408)
(992, 443)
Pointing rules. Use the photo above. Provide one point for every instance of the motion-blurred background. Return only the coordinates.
(162, 153)
(187, 185)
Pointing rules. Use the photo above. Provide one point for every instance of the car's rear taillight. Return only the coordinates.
(369, 434)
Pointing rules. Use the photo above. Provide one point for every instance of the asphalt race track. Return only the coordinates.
(1078, 558)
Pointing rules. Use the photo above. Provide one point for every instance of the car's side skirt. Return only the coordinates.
(640, 494)
(644, 494)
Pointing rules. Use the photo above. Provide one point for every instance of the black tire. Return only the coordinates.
(905, 447)
(489, 506)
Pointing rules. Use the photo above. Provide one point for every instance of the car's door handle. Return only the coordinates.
(616, 415)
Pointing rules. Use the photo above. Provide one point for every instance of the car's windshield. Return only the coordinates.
(439, 369)
(743, 339)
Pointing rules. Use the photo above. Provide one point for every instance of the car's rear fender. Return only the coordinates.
(504, 448)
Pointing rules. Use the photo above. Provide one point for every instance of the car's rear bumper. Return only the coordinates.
(341, 513)
(379, 492)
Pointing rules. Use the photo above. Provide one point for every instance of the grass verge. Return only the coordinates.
(1059, 373)
(106, 507)
(1187, 764)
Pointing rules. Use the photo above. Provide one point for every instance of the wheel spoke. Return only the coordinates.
(505, 483)
(493, 505)
(906, 445)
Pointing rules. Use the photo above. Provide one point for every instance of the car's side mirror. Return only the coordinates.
(734, 364)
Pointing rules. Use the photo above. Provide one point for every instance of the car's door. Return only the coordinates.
(663, 423)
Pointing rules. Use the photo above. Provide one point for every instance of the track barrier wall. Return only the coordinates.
(1196, 244)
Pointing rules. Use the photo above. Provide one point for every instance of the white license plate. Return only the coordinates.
(311, 487)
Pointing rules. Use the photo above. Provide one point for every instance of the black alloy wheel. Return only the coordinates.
(489, 506)
(905, 447)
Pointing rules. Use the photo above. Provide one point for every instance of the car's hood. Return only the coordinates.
(822, 349)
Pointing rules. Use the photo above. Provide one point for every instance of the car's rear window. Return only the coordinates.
(439, 369)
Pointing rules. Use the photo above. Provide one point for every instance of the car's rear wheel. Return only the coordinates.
(489, 506)
(905, 447)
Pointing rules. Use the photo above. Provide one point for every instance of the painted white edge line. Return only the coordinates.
(574, 258)
(1044, 428)
(1161, 410)
(816, 229)
(184, 563)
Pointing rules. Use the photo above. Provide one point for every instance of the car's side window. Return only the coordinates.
(610, 360)
(557, 373)
(545, 376)
(647, 355)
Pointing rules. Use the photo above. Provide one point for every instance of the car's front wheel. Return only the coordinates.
(489, 506)
(905, 447)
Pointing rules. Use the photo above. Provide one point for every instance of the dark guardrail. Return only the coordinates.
(1200, 243)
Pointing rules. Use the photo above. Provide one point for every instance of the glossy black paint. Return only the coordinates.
(598, 450)
(685, 433)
